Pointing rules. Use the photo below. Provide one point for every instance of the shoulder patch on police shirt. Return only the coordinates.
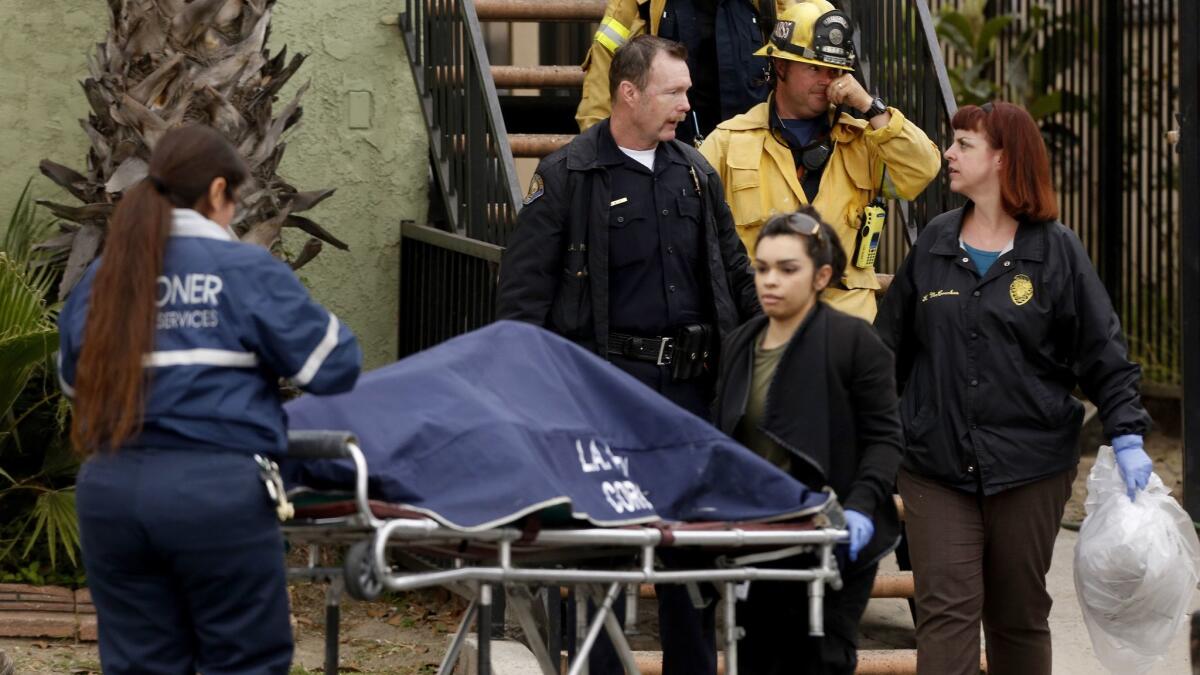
(1021, 289)
(537, 187)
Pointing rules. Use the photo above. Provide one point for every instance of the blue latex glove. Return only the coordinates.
(1133, 461)
(861, 530)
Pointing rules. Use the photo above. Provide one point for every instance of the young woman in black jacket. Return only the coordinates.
(811, 390)
(995, 316)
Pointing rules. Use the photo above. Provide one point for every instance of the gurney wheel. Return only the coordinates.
(362, 581)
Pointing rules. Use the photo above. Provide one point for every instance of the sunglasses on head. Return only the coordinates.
(802, 223)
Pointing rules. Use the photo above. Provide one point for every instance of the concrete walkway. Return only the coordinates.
(887, 624)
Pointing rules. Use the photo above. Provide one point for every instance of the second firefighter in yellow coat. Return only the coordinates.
(721, 37)
(795, 149)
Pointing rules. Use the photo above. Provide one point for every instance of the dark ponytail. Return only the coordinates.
(110, 384)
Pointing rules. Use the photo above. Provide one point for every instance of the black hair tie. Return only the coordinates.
(159, 186)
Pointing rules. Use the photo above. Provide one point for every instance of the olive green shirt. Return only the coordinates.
(748, 432)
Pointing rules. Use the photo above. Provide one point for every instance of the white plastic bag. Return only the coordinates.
(1136, 565)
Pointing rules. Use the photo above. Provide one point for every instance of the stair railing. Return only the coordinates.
(469, 146)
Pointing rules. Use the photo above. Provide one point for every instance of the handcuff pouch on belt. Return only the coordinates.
(691, 351)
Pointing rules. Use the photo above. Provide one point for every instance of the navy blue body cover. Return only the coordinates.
(511, 419)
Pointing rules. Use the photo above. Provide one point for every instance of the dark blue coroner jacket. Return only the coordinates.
(512, 420)
(231, 321)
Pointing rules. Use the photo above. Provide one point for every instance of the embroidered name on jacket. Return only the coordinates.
(188, 289)
(937, 294)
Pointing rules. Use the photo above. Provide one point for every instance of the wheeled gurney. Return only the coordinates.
(509, 458)
(391, 547)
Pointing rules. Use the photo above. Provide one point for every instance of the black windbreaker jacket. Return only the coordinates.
(986, 366)
(832, 404)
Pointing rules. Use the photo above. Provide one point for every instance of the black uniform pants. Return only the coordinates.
(185, 564)
(775, 618)
(688, 634)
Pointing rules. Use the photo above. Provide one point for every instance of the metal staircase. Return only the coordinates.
(448, 272)
(475, 191)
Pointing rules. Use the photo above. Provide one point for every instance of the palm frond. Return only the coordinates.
(54, 515)
(27, 337)
(166, 63)
(25, 227)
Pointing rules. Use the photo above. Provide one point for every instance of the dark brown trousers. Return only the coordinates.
(977, 557)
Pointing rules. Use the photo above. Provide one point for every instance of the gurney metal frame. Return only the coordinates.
(366, 571)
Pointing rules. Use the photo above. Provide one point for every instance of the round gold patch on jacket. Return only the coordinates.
(1021, 289)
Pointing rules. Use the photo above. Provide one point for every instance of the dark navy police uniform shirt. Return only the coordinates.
(721, 37)
(657, 276)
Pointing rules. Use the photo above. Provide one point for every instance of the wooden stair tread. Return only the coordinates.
(515, 77)
(887, 585)
(539, 10)
(870, 662)
(537, 145)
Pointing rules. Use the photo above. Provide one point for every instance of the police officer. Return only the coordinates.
(819, 139)
(626, 246)
(720, 36)
(172, 346)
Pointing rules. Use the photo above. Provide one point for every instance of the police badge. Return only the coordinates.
(1021, 289)
(537, 187)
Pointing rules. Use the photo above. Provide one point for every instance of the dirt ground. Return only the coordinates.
(406, 634)
(400, 635)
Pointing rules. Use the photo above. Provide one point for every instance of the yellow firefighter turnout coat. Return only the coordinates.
(760, 180)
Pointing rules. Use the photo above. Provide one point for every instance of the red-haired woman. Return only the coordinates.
(172, 346)
(994, 317)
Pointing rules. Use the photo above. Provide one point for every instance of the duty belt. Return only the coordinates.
(657, 350)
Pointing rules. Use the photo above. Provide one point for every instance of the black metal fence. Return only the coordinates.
(901, 61)
(447, 286)
(1102, 79)
(476, 179)
(1189, 153)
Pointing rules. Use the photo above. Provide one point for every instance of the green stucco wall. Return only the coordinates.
(380, 171)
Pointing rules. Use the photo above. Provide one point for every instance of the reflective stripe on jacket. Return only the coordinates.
(760, 180)
(231, 320)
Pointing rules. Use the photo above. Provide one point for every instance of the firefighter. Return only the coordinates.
(720, 36)
(820, 139)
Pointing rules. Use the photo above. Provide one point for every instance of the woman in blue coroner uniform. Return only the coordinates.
(172, 347)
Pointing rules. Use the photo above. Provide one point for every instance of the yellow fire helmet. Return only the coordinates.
(812, 32)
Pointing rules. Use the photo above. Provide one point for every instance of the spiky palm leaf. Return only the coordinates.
(170, 62)
(27, 334)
